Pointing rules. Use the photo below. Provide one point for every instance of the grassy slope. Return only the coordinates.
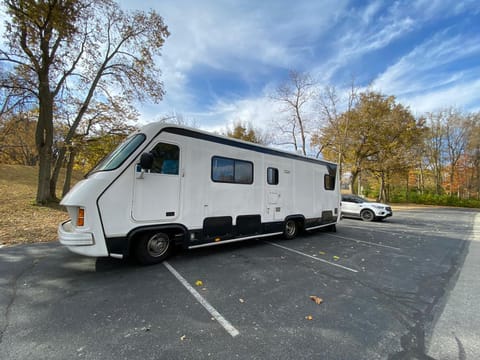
(20, 220)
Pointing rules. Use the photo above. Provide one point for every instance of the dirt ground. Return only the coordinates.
(21, 221)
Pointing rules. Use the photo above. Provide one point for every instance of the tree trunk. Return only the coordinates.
(452, 179)
(44, 168)
(438, 182)
(381, 190)
(407, 195)
(422, 181)
(68, 175)
(44, 141)
(355, 181)
(56, 171)
(382, 195)
(302, 131)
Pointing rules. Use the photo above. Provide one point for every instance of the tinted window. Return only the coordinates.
(232, 170)
(165, 159)
(222, 169)
(353, 199)
(272, 176)
(243, 172)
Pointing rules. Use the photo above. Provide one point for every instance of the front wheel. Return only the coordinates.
(290, 229)
(153, 248)
(367, 215)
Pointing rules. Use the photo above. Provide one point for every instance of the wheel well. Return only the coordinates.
(299, 220)
(363, 210)
(177, 233)
(372, 215)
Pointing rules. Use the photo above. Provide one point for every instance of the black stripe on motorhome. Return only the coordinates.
(217, 230)
(247, 146)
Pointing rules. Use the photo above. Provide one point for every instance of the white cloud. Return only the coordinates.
(427, 78)
(232, 36)
(259, 111)
(365, 30)
(462, 95)
(430, 9)
(247, 39)
(371, 11)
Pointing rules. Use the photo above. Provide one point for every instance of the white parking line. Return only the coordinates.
(365, 242)
(403, 231)
(311, 257)
(221, 320)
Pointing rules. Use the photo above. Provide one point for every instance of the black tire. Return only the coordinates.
(152, 248)
(367, 215)
(290, 229)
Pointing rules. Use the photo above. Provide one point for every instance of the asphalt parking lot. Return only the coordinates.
(384, 289)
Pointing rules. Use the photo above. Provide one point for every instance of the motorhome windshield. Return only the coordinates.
(122, 152)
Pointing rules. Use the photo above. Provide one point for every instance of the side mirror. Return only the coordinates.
(146, 161)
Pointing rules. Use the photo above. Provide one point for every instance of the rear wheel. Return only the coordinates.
(290, 229)
(153, 248)
(367, 215)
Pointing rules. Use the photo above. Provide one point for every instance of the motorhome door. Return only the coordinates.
(156, 194)
(278, 192)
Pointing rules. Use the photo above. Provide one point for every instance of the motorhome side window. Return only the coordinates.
(228, 170)
(165, 159)
(272, 176)
(329, 182)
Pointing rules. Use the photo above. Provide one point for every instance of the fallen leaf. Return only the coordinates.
(317, 299)
(241, 300)
(322, 252)
(336, 258)
(199, 283)
(309, 317)
(183, 337)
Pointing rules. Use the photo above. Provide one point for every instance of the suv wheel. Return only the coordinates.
(367, 215)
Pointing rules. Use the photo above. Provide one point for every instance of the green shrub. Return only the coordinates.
(428, 198)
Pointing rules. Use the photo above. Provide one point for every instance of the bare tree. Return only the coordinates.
(435, 147)
(334, 109)
(457, 128)
(296, 97)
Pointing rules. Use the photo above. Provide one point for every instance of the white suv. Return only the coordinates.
(358, 207)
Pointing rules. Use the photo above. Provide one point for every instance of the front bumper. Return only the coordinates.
(384, 214)
(68, 236)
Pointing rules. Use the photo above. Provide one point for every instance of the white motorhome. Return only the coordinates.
(168, 185)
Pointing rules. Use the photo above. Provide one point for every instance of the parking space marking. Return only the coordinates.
(410, 232)
(311, 257)
(221, 320)
(365, 242)
(403, 231)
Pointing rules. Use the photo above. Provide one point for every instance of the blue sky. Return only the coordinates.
(224, 59)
